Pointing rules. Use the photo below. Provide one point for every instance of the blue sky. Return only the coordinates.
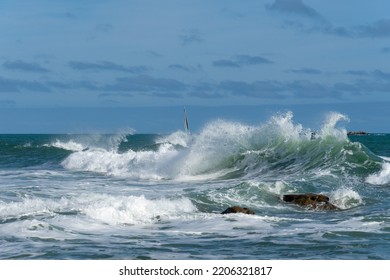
(115, 57)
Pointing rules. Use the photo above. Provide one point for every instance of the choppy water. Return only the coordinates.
(131, 196)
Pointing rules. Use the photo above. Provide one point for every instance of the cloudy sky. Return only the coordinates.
(69, 57)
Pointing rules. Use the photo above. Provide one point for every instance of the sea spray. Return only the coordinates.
(70, 145)
(225, 149)
(329, 126)
(131, 164)
(79, 142)
(216, 147)
(178, 138)
(345, 198)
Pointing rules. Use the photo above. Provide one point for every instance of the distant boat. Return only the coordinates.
(186, 126)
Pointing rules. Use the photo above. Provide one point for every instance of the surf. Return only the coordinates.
(226, 149)
(95, 193)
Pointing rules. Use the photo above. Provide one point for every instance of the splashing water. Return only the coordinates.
(222, 148)
(382, 177)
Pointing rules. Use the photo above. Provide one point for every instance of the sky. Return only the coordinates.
(106, 65)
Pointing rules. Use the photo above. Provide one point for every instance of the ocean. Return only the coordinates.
(160, 196)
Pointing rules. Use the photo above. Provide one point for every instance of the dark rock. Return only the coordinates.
(238, 209)
(311, 201)
(356, 133)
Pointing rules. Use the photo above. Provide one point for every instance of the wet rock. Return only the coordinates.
(238, 209)
(310, 201)
(357, 133)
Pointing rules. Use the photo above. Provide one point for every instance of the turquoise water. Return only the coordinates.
(132, 196)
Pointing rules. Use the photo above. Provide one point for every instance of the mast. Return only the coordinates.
(186, 127)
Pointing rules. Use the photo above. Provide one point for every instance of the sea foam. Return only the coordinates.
(70, 145)
(382, 177)
(101, 207)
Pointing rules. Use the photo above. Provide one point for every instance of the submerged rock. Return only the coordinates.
(311, 201)
(238, 209)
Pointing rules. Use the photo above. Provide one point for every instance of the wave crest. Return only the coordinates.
(382, 177)
(229, 149)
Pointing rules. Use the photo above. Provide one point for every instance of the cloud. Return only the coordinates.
(258, 89)
(226, 63)
(24, 66)
(106, 66)
(357, 72)
(308, 89)
(366, 87)
(368, 82)
(84, 84)
(294, 7)
(190, 36)
(385, 50)
(148, 84)
(267, 89)
(241, 60)
(21, 86)
(185, 68)
(206, 90)
(104, 28)
(251, 60)
(378, 29)
(7, 103)
(376, 74)
(381, 75)
(276, 90)
(69, 15)
(309, 71)
(16, 85)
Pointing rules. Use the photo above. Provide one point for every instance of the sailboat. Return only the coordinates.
(186, 127)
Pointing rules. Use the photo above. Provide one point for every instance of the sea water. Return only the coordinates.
(138, 196)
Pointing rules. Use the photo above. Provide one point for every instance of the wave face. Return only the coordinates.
(227, 150)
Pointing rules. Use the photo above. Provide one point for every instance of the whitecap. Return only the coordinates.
(382, 177)
(346, 198)
(70, 145)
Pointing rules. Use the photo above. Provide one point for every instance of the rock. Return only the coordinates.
(356, 133)
(238, 209)
(311, 201)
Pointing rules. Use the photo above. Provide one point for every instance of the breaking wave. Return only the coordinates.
(105, 208)
(382, 177)
(225, 149)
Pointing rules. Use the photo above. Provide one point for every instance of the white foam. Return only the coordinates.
(136, 209)
(346, 198)
(71, 145)
(137, 165)
(177, 138)
(25, 208)
(385, 158)
(102, 207)
(278, 188)
(382, 177)
(220, 148)
(283, 125)
(329, 126)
